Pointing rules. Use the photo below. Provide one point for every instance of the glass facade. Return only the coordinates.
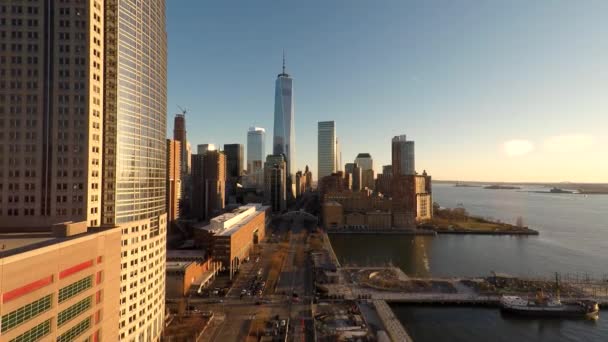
(34, 334)
(75, 331)
(284, 140)
(256, 148)
(326, 156)
(74, 310)
(75, 288)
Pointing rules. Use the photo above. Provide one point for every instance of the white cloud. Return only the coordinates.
(568, 143)
(517, 147)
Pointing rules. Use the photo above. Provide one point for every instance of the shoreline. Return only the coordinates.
(431, 232)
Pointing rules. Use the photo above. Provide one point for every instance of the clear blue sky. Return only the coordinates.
(489, 90)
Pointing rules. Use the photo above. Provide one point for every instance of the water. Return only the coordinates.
(573, 240)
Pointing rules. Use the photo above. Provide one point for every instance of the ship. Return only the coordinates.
(556, 190)
(543, 305)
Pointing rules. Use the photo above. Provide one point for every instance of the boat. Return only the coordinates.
(556, 190)
(546, 306)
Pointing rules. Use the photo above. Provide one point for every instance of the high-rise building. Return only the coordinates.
(275, 182)
(284, 135)
(256, 148)
(367, 179)
(365, 161)
(234, 160)
(356, 176)
(173, 179)
(209, 184)
(180, 134)
(86, 135)
(234, 169)
(326, 146)
(307, 179)
(202, 148)
(387, 169)
(338, 156)
(403, 158)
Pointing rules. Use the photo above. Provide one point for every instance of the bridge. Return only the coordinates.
(299, 214)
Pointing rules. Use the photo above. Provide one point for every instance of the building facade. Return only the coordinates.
(202, 148)
(59, 287)
(256, 148)
(85, 108)
(365, 161)
(284, 137)
(234, 169)
(231, 236)
(403, 157)
(275, 182)
(326, 148)
(174, 153)
(209, 184)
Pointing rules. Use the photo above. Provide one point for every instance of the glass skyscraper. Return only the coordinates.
(326, 153)
(284, 138)
(256, 148)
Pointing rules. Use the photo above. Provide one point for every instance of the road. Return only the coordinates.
(235, 314)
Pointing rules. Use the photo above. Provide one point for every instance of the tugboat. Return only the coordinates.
(545, 306)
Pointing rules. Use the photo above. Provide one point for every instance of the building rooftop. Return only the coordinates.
(177, 266)
(11, 241)
(364, 155)
(229, 223)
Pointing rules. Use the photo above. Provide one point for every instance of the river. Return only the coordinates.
(573, 240)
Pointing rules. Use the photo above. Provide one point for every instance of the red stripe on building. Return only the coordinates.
(98, 297)
(99, 259)
(97, 316)
(75, 269)
(98, 280)
(96, 336)
(18, 292)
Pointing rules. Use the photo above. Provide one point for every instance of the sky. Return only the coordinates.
(489, 90)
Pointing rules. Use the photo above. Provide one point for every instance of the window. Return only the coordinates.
(24, 313)
(75, 331)
(74, 310)
(75, 288)
(35, 333)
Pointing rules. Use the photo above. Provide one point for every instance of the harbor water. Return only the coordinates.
(573, 241)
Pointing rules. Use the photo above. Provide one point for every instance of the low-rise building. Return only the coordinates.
(230, 237)
(60, 286)
(333, 214)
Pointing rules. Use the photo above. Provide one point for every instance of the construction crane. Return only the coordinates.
(183, 110)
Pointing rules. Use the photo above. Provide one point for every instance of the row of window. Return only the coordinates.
(34, 334)
(75, 331)
(74, 310)
(75, 288)
(26, 312)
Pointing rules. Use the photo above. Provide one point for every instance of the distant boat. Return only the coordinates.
(501, 187)
(560, 191)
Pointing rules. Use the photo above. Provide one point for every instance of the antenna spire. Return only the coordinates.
(283, 60)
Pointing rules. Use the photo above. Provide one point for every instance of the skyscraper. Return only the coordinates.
(234, 160)
(326, 148)
(87, 138)
(202, 148)
(256, 148)
(365, 161)
(180, 134)
(338, 156)
(173, 179)
(275, 192)
(403, 156)
(209, 184)
(284, 138)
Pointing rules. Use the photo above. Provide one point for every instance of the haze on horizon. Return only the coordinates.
(490, 91)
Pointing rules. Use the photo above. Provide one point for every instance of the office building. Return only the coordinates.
(234, 160)
(326, 148)
(234, 169)
(307, 179)
(202, 148)
(209, 184)
(63, 285)
(412, 200)
(231, 237)
(173, 179)
(365, 161)
(256, 148)
(275, 182)
(180, 134)
(387, 169)
(367, 179)
(403, 158)
(355, 175)
(338, 156)
(284, 135)
(82, 143)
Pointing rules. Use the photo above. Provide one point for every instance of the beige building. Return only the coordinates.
(231, 237)
(173, 179)
(333, 214)
(82, 115)
(62, 286)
